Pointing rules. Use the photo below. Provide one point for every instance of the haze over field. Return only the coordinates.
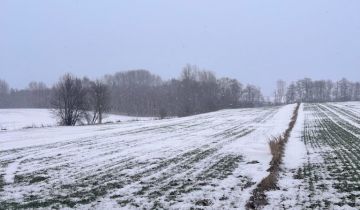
(255, 42)
(169, 104)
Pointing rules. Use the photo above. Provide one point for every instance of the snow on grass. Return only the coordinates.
(326, 174)
(208, 160)
(11, 119)
(211, 160)
(295, 151)
(294, 157)
(113, 118)
(14, 119)
(10, 171)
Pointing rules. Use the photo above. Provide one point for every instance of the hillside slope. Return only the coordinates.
(213, 159)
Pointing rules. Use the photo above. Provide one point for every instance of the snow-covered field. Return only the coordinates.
(211, 161)
(321, 167)
(13, 119)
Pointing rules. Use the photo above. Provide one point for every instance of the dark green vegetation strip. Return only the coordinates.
(336, 141)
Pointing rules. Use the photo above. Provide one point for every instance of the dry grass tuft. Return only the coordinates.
(277, 148)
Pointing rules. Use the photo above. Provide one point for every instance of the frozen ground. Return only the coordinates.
(211, 160)
(13, 119)
(321, 168)
(208, 161)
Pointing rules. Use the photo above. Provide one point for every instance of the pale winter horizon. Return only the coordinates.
(254, 42)
(206, 104)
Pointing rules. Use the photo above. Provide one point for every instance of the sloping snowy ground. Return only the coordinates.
(321, 168)
(13, 119)
(212, 160)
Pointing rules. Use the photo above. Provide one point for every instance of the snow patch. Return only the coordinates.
(295, 151)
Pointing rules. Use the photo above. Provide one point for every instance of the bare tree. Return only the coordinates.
(39, 95)
(4, 92)
(69, 100)
(291, 94)
(4, 87)
(134, 92)
(251, 96)
(356, 92)
(229, 91)
(280, 92)
(207, 91)
(188, 94)
(99, 100)
(319, 91)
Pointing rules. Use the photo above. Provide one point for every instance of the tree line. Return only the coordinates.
(36, 95)
(308, 90)
(135, 92)
(195, 91)
(141, 93)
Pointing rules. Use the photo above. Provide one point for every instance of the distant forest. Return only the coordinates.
(141, 93)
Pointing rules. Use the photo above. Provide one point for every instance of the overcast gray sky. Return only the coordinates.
(254, 41)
